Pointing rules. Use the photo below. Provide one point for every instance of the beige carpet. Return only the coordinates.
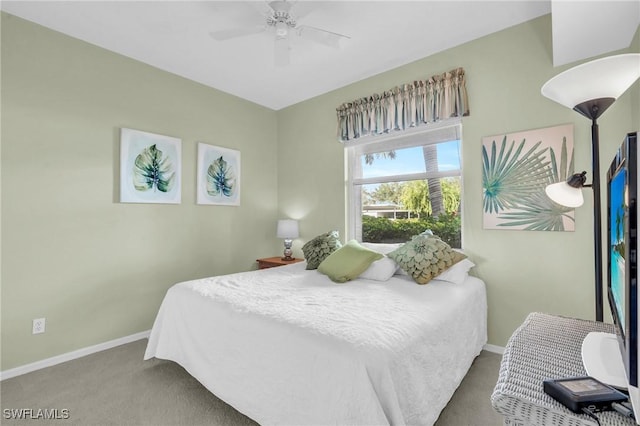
(116, 387)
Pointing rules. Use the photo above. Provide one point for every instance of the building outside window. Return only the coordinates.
(399, 186)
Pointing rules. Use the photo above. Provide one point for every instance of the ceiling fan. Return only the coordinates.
(279, 19)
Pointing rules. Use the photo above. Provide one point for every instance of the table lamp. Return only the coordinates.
(287, 229)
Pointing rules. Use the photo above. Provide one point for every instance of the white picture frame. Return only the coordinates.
(150, 168)
(219, 175)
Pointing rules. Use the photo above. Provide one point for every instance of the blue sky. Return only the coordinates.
(410, 160)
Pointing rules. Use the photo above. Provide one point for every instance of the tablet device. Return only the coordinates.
(575, 393)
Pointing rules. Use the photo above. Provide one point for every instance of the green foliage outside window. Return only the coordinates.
(384, 193)
(383, 230)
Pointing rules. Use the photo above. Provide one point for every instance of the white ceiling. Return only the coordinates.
(174, 36)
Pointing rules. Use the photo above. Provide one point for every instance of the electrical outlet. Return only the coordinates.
(38, 325)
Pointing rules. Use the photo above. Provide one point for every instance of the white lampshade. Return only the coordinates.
(565, 194)
(287, 228)
(607, 77)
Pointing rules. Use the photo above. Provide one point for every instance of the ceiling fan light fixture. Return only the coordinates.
(282, 29)
(281, 23)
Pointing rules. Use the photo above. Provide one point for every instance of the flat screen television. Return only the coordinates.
(618, 354)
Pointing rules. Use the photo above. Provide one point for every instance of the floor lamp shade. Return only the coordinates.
(569, 193)
(565, 195)
(605, 78)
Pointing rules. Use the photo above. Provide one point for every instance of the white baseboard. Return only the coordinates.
(38, 365)
(493, 348)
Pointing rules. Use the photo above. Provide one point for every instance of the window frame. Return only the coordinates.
(443, 131)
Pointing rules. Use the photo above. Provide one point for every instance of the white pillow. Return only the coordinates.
(384, 248)
(457, 273)
(380, 270)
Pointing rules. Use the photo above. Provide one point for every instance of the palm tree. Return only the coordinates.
(430, 153)
(368, 158)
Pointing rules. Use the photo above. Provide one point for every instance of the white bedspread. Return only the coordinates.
(288, 346)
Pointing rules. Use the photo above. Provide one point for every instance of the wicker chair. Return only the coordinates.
(545, 347)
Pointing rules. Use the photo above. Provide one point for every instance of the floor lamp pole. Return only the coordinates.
(597, 216)
(593, 109)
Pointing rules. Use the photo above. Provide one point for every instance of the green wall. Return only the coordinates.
(98, 269)
(524, 271)
(95, 268)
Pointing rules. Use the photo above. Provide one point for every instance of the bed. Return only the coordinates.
(287, 346)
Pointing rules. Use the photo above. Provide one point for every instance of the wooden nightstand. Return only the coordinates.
(271, 262)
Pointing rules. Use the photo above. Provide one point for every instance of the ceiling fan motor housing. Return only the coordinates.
(281, 19)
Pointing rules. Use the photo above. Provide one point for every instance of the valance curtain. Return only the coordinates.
(410, 105)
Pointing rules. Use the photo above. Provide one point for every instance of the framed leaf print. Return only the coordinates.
(150, 168)
(516, 168)
(218, 175)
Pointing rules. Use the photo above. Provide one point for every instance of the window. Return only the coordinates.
(400, 186)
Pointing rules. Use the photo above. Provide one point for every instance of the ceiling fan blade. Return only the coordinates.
(223, 35)
(281, 51)
(302, 9)
(282, 6)
(262, 7)
(328, 38)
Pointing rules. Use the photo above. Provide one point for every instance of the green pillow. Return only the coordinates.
(425, 257)
(317, 250)
(348, 262)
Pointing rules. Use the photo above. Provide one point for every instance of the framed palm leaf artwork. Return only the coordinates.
(516, 168)
(150, 168)
(218, 175)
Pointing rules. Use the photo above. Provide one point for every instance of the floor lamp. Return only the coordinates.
(590, 89)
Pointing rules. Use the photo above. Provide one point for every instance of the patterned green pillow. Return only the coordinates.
(425, 257)
(317, 250)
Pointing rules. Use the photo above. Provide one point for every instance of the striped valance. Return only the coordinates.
(410, 105)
